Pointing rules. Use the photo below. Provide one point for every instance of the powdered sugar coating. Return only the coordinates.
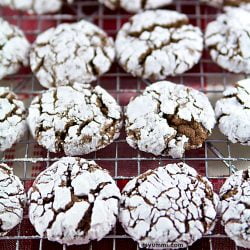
(74, 120)
(77, 52)
(235, 210)
(232, 111)
(228, 40)
(35, 6)
(73, 201)
(14, 49)
(12, 199)
(245, 4)
(216, 3)
(156, 44)
(171, 204)
(135, 5)
(12, 119)
(168, 119)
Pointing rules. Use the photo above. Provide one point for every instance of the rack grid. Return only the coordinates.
(216, 160)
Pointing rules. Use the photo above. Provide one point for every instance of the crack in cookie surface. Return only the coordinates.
(235, 207)
(135, 5)
(75, 120)
(168, 119)
(193, 130)
(228, 39)
(73, 201)
(156, 44)
(12, 199)
(12, 119)
(35, 6)
(232, 111)
(14, 49)
(171, 204)
(77, 52)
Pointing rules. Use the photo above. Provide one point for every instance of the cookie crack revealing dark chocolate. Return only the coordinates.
(235, 2)
(14, 49)
(76, 121)
(236, 96)
(193, 130)
(235, 207)
(160, 204)
(77, 52)
(237, 52)
(87, 189)
(233, 124)
(174, 25)
(11, 113)
(135, 190)
(151, 50)
(13, 118)
(143, 57)
(12, 200)
(85, 223)
(16, 110)
(227, 39)
(190, 132)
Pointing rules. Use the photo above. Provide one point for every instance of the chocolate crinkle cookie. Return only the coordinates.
(168, 119)
(12, 199)
(74, 120)
(71, 52)
(157, 44)
(235, 209)
(171, 204)
(14, 49)
(232, 112)
(12, 119)
(228, 40)
(35, 6)
(73, 201)
(135, 5)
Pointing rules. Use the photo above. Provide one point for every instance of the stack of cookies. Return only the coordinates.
(75, 201)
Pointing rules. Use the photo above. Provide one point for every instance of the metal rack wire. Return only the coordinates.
(28, 159)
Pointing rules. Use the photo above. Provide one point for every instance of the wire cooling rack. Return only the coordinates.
(216, 160)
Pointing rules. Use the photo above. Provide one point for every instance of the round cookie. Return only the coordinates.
(74, 120)
(168, 119)
(157, 44)
(171, 204)
(12, 199)
(77, 52)
(234, 195)
(232, 112)
(14, 49)
(228, 40)
(135, 5)
(35, 6)
(12, 119)
(73, 201)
